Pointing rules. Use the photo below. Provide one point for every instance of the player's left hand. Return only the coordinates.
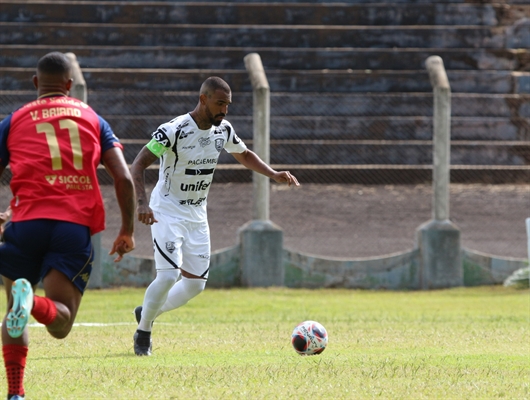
(286, 177)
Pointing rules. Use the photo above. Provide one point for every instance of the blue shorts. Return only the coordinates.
(31, 248)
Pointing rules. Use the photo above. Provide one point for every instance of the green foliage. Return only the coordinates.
(235, 344)
(520, 279)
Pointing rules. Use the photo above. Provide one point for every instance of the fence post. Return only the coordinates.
(438, 240)
(261, 133)
(79, 91)
(528, 238)
(261, 240)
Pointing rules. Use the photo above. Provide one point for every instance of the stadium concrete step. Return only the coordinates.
(372, 174)
(240, 35)
(262, 13)
(167, 57)
(318, 116)
(168, 103)
(314, 103)
(357, 84)
(391, 152)
(343, 128)
(339, 81)
(217, 3)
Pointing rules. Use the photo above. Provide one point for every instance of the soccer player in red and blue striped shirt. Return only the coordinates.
(53, 146)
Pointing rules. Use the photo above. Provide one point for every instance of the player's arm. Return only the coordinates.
(4, 216)
(251, 160)
(4, 156)
(144, 159)
(117, 168)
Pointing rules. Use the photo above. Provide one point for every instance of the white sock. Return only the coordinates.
(156, 295)
(183, 291)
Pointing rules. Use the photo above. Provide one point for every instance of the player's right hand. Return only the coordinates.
(145, 215)
(4, 217)
(122, 245)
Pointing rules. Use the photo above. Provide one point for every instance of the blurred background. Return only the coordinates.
(351, 107)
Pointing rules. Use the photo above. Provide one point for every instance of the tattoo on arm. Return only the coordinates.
(143, 160)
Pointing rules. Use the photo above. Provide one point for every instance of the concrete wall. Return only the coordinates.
(398, 271)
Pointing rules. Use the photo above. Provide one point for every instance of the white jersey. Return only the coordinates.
(187, 165)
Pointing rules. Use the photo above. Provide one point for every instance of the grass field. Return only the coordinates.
(464, 343)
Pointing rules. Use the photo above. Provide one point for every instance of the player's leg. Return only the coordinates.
(58, 308)
(196, 256)
(167, 236)
(65, 273)
(184, 290)
(167, 239)
(20, 256)
(155, 296)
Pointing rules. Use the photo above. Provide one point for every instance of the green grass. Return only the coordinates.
(465, 343)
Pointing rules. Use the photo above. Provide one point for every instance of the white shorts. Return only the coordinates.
(181, 244)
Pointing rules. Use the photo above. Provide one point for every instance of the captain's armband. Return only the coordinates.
(156, 148)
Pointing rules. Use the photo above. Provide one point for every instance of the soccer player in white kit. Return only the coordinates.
(188, 147)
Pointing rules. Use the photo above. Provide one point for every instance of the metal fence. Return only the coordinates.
(365, 164)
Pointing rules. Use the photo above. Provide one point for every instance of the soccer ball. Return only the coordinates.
(309, 338)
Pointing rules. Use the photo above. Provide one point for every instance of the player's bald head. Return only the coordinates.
(212, 84)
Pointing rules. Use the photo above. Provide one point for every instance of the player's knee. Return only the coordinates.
(193, 287)
(59, 329)
(63, 322)
(61, 334)
(167, 278)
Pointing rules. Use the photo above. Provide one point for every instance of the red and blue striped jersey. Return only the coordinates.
(53, 146)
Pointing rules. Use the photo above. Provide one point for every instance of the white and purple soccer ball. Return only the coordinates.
(309, 338)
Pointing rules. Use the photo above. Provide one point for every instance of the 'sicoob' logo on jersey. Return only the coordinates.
(71, 182)
(51, 179)
(219, 143)
(204, 142)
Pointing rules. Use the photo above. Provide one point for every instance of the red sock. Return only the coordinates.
(44, 310)
(15, 362)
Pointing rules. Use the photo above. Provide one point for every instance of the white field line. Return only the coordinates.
(96, 324)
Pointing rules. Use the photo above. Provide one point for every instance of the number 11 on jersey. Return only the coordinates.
(53, 144)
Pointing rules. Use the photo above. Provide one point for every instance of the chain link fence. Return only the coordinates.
(364, 162)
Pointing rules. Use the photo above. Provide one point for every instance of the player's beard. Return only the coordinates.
(212, 118)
